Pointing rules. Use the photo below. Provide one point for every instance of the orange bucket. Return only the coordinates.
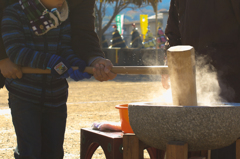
(123, 111)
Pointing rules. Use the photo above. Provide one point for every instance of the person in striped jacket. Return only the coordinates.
(85, 42)
(37, 34)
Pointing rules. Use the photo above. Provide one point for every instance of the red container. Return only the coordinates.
(123, 111)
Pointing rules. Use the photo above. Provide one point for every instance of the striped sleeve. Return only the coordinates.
(15, 42)
(66, 47)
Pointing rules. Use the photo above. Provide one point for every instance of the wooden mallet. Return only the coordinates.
(181, 68)
(116, 69)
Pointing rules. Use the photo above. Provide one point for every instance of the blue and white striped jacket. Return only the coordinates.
(26, 49)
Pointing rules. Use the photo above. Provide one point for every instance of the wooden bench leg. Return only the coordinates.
(203, 154)
(132, 148)
(87, 147)
(238, 149)
(156, 153)
(177, 150)
(91, 149)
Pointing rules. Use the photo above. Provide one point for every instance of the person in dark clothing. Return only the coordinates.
(212, 27)
(104, 42)
(117, 40)
(136, 38)
(84, 41)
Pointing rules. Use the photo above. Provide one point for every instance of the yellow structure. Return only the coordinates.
(144, 24)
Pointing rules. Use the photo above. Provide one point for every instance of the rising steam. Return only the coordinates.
(207, 84)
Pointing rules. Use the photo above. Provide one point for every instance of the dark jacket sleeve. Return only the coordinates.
(3, 54)
(3, 5)
(172, 29)
(85, 41)
(236, 9)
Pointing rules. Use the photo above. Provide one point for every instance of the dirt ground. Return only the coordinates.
(89, 101)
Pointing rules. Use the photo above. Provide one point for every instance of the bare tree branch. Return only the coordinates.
(100, 12)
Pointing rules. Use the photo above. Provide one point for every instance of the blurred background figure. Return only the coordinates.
(104, 42)
(117, 40)
(161, 39)
(136, 38)
(150, 41)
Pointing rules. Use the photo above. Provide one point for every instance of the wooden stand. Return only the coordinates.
(238, 149)
(113, 145)
(179, 150)
(133, 148)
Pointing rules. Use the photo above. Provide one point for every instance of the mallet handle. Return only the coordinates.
(116, 69)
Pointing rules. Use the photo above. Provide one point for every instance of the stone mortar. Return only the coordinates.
(202, 127)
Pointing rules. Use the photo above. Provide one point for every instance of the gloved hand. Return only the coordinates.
(60, 68)
(79, 74)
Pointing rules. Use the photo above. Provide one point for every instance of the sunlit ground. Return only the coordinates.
(89, 101)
